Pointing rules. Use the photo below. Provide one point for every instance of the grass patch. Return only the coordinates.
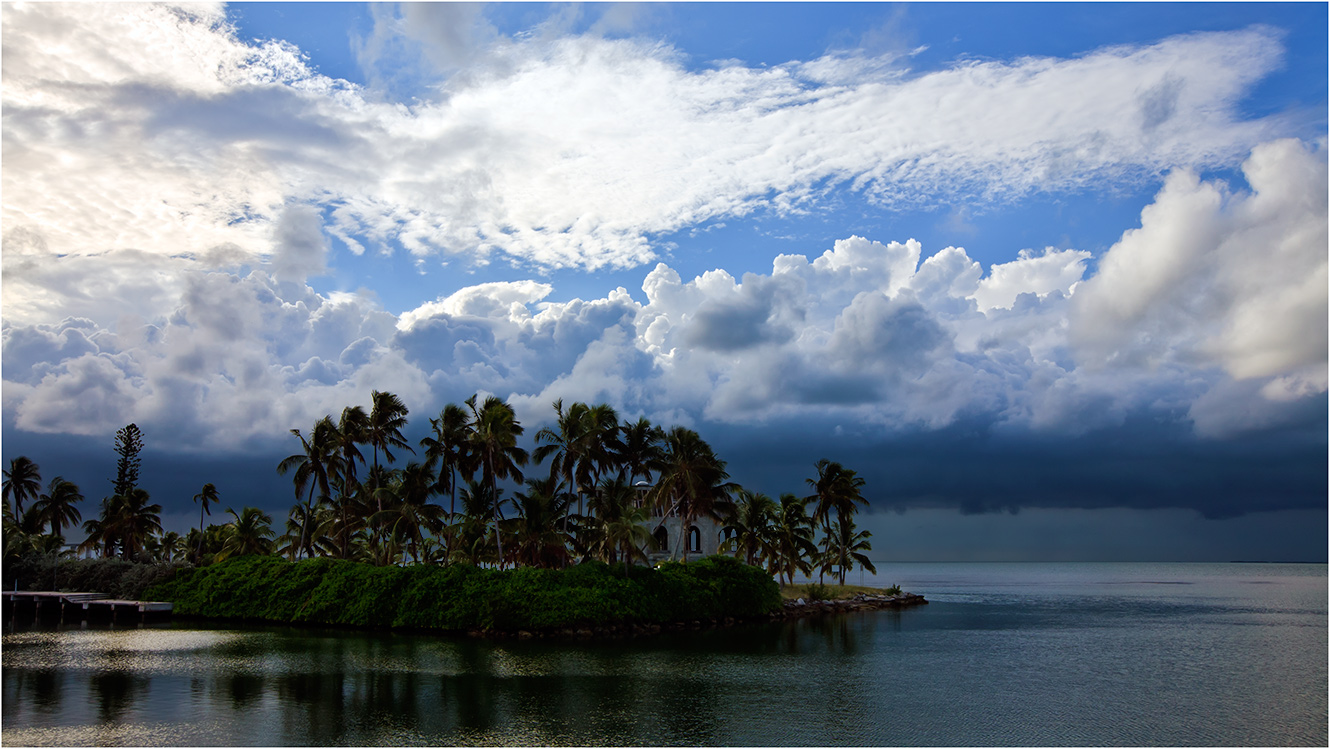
(829, 592)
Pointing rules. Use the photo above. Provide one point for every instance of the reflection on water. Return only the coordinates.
(1035, 658)
(316, 687)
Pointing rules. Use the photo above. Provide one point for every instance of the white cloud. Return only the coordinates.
(150, 154)
(153, 128)
(1236, 280)
(865, 333)
(496, 299)
(1054, 270)
(300, 249)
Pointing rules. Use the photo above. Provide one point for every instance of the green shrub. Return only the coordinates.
(894, 590)
(817, 592)
(329, 591)
(116, 578)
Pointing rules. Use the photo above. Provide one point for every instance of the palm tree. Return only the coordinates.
(387, 419)
(208, 496)
(129, 520)
(22, 481)
(305, 531)
(14, 537)
(494, 433)
(692, 481)
(408, 514)
(206, 545)
(749, 528)
(836, 489)
(475, 536)
(618, 530)
(250, 533)
(95, 535)
(353, 430)
(584, 444)
(171, 546)
(791, 539)
(640, 448)
(56, 506)
(447, 447)
(315, 465)
(562, 443)
(46, 543)
(845, 547)
(537, 537)
(601, 444)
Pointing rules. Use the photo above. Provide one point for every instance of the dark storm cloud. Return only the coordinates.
(893, 337)
(171, 478)
(966, 468)
(740, 323)
(973, 466)
(487, 349)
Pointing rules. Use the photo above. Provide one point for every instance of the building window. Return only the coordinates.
(662, 537)
(694, 539)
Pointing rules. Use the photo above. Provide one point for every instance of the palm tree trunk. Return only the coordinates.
(452, 515)
(494, 496)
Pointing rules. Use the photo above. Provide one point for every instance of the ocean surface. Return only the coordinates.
(1005, 654)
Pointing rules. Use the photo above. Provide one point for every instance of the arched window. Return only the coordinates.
(662, 537)
(694, 539)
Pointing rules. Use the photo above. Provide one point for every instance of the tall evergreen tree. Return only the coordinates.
(128, 444)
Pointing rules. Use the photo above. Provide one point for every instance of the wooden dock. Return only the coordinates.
(63, 607)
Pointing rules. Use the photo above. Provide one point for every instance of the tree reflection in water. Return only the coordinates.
(115, 692)
(269, 685)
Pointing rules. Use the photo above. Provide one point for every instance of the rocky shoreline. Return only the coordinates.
(789, 610)
(860, 602)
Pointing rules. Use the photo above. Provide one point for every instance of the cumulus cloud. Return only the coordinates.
(1212, 276)
(153, 127)
(1031, 274)
(300, 249)
(499, 298)
(1183, 319)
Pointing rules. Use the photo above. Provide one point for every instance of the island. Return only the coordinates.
(588, 599)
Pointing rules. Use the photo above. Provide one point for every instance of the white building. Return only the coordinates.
(701, 538)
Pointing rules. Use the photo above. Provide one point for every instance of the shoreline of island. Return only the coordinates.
(584, 601)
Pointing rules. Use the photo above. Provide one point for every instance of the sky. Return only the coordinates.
(1050, 277)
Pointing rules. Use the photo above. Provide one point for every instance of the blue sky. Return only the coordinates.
(1023, 266)
(937, 34)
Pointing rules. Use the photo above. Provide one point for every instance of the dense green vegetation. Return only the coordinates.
(607, 486)
(117, 578)
(463, 597)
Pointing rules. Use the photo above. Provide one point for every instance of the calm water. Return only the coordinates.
(1007, 654)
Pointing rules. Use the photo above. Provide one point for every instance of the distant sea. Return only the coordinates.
(1005, 654)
